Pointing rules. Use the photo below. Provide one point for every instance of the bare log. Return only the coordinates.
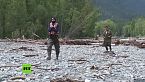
(18, 77)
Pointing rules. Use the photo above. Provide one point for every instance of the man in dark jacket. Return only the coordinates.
(107, 38)
(53, 32)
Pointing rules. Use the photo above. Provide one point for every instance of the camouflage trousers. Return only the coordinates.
(53, 41)
(107, 43)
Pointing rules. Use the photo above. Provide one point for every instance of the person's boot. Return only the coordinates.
(106, 49)
(56, 57)
(49, 58)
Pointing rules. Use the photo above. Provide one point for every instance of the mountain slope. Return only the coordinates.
(121, 9)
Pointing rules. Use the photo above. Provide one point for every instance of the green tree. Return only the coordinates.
(101, 24)
(27, 17)
(135, 28)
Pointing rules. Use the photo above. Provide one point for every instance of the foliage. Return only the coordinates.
(25, 17)
(101, 24)
(135, 28)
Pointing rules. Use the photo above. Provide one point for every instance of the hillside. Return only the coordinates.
(121, 9)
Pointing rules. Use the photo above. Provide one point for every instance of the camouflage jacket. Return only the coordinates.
(107, 35)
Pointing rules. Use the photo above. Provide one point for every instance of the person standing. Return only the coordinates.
(107, 38)
(53, 32)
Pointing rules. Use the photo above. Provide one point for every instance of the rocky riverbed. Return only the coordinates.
(84, 63)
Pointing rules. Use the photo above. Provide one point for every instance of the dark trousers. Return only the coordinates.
(106, 44)
(53, 40)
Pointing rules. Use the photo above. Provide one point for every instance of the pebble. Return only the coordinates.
(97, 68)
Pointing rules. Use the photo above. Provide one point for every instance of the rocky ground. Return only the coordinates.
(84, 63)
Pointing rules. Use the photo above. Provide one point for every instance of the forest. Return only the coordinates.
(77, 19)
(80, 54)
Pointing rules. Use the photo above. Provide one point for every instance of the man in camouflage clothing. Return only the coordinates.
(107, 38)
(53, 31)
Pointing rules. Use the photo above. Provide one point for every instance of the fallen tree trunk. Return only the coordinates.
(133, 42)
(36, 65)
(65, 80)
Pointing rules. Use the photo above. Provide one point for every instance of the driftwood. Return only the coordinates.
(140, 43)
(8, 39)
(114, 64)
(22, 48)
(26, 49)
(125, 56)
(36, 35)
(129, 41)
(64, 80)
(31, 41)
(30, 55)
(1, 49)
(80, 42)
(126, 42)
(75, 42)
(10, 66)
(52, 69)
(18, 77)
(79, 61)
(36, 65)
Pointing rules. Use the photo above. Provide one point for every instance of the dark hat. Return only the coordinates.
(106, 25)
